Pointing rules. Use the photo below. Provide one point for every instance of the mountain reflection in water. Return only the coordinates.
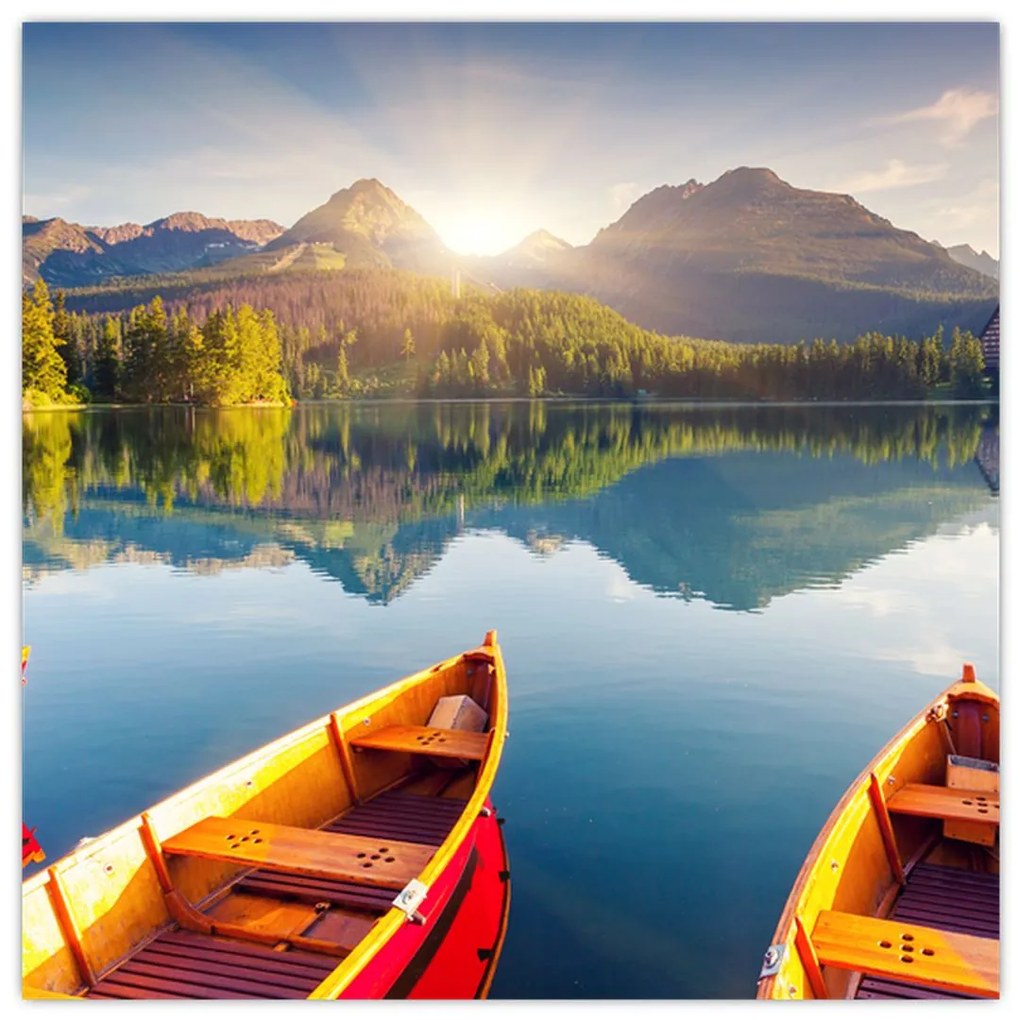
(733, 504)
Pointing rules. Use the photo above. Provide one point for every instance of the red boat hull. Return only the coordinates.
(453, 954)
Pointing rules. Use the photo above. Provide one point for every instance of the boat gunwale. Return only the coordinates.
(391, 922)
(259, 754)
(383, 930)
(850, 811)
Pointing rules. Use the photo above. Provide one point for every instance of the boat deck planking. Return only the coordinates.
(946, 898)
(180, 964)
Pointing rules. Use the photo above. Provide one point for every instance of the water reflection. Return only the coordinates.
(733, 504)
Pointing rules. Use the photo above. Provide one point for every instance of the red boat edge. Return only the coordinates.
(454, 952)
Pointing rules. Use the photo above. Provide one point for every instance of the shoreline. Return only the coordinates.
(649, 402)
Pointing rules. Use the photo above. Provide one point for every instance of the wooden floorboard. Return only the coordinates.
(940, 897)
(181, 964)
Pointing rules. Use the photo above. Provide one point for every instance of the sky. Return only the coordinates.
(491, 131)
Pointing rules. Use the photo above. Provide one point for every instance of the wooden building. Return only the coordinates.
(990, 342)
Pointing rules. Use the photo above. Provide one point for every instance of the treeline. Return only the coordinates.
(381, 332)
(149, 356)
(539, 343)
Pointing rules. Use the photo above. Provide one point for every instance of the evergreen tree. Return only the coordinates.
(966, 365)
(42, 368)
(407, 347)
(63, 330)
(107, 368)
(929, 366)
(146, 364)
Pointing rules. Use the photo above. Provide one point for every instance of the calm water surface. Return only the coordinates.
(712, 618)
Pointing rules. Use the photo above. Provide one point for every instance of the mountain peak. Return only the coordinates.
(753, 173)
(748, 182)
(369, 224)
(981, 262)
(366, 189)
(543, 238)
(537, 247)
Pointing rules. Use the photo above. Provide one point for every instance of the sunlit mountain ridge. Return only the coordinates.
(747, 257)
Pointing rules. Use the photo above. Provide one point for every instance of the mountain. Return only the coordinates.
(749, 257)
(70, 255)
(534, 262)
(537, 248)
(370, 226)
(967, 256)
(751, 221)
(40, 239)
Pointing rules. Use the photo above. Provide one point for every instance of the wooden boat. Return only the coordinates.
(899, 895)
(358, 857)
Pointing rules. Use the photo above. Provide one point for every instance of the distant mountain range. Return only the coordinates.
(966, 256)
(70, 255)
(747, 257)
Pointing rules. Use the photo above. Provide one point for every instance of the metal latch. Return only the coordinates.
(772, 960)
(410, 898)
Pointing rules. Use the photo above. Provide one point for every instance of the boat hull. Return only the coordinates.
(453, 953)
(859, 865)
(252, 884)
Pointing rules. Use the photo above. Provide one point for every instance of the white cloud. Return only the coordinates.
(895, 174)
(957, 112)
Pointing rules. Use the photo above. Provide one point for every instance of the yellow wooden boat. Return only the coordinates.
(899, 895)
(358, 857)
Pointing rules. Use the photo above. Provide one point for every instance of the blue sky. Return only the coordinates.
(493, 130)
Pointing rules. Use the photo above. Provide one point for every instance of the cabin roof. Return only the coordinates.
(990, 341)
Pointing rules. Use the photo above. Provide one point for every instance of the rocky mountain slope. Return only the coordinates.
(747, 257)
(370, 226)
(70, 255)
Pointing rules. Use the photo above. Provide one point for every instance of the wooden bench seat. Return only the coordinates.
(381, 862)
(899, 949)
(945, 802)
(426, 740)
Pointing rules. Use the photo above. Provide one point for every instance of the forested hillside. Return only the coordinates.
(379, 332)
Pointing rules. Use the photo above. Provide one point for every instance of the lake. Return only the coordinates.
(712, 618)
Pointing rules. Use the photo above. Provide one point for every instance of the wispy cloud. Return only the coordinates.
(956, 112)
(959, 214)
(623, 195)
(895, 174)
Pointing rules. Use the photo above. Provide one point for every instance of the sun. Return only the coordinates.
(480, 231)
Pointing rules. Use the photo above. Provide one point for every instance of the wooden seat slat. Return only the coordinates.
(901, 949)
(945, 802)
(425, 740)
(380, 862)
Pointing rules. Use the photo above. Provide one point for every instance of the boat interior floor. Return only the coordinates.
(184, 964)
(951, 899)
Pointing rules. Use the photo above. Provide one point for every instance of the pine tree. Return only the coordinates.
(966, 365)
(107, 370)
(146, 365)
(63, 330)
(42, 368)
(929, 360)
(407, 347)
